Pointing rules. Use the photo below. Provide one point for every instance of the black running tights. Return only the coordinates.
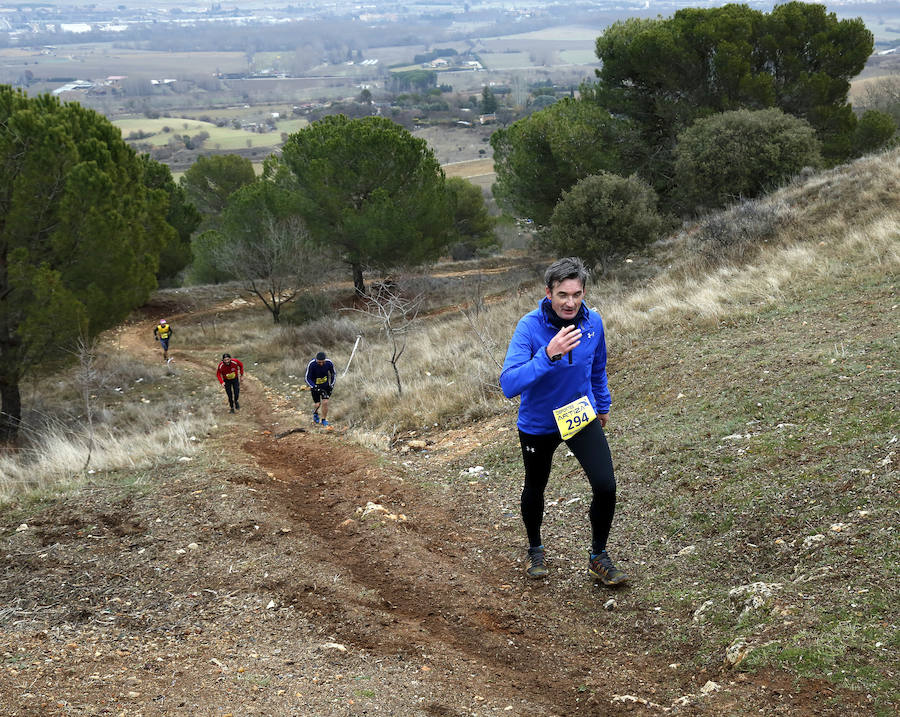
(233, 389)
(592, 451)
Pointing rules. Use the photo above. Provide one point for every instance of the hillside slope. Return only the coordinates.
(754, 432)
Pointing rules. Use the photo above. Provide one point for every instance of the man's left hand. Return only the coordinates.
(603, 417)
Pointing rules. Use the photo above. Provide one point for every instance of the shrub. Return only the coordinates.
(736, 234)
(740, 154)
(306, 308)
(874, 131)
(603, 216)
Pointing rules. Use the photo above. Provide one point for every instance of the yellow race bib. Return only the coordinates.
(230, 375)
(574, 416)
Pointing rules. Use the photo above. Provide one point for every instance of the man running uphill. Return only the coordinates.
(556, 361)
(161, 333)
(230, 373)
(320, 379)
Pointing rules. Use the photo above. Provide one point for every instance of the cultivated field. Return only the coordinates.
(98, 61)
(220, 138)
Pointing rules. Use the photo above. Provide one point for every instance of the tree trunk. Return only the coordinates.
(10, 410)
(397, 376)
(358, 283)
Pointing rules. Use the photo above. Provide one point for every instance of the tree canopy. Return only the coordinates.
(473, 226)
(489, 102)
(665, 73)
(265, 246)
(181, 216)
(211, 180)
(539, 157)
(659, 76)
(367, 189)
(80, 234)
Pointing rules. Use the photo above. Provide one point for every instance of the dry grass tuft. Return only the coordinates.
(138, 421)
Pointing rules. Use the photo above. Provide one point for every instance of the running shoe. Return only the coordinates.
(536, 567)
(315, 416)
(237, 406)
(601, 567)
(324, 423)
(230, 410)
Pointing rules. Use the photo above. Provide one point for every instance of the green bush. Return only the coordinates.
(740, 155)
(306, 308)
(874, 131)
(604, 216)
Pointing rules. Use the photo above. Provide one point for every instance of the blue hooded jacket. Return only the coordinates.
(546, 385)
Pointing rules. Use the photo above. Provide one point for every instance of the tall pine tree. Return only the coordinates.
(80, 234)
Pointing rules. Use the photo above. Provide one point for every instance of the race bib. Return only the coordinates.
(230, 375)
(574, 416)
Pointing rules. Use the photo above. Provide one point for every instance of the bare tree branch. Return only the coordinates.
(396, 314)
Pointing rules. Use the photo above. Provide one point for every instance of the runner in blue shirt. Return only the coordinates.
(320, 379)
(556, 362)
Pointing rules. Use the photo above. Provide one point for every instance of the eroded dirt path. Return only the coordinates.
(427, 587)
(292, 601)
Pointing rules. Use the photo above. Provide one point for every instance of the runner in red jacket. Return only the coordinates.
(230, 373)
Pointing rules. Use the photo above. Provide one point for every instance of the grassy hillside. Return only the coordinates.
(755, 383)
(754, 368)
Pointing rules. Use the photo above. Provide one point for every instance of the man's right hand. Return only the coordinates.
(567, 339)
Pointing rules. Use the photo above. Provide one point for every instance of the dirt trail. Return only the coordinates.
(440, 620)
(425, 592)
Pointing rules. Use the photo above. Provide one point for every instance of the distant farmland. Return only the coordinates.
(226, 138)
(97, 61)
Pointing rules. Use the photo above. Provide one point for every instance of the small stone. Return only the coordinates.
(709, 687)
(699, 612)
(271, 605)
(610, 604)
(22, 528)
(193, 546)
(811, 540)
(370, 508)
(737, 652)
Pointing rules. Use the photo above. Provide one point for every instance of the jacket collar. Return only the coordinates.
(550, 317)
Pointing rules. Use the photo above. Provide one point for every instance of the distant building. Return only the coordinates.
(76, 27)
(72, 89)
